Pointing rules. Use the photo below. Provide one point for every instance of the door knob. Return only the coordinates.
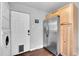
(28, 32)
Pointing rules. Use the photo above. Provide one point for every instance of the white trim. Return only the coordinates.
(36, 48)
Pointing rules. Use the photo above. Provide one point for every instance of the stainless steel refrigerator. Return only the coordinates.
(51, 34)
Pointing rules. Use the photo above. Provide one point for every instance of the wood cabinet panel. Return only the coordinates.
(66, 36)
(68, 19)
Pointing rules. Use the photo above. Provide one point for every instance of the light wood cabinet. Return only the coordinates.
(68, 29)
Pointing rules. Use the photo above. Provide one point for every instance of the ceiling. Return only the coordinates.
(44, 6)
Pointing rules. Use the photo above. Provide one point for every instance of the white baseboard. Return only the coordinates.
(36, 48)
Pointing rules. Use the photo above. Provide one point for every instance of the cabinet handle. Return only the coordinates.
(66, 24)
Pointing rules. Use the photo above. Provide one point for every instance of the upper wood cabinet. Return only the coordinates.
(68, 29)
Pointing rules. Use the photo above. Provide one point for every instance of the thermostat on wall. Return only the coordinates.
(36, 20)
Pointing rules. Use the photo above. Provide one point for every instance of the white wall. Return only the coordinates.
(78, 30)
(0, 28)
(77, 5)
(36, 29)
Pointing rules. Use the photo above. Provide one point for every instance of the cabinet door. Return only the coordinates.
(65, 16)
(66, 38)
(69, 39)
(63, 37)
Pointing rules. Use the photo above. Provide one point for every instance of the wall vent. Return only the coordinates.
(21, 48)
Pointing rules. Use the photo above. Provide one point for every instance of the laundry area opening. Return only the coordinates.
(39, 29)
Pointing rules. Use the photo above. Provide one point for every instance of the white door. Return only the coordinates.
(20, 26)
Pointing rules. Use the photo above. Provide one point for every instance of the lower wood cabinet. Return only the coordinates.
(65, 39)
